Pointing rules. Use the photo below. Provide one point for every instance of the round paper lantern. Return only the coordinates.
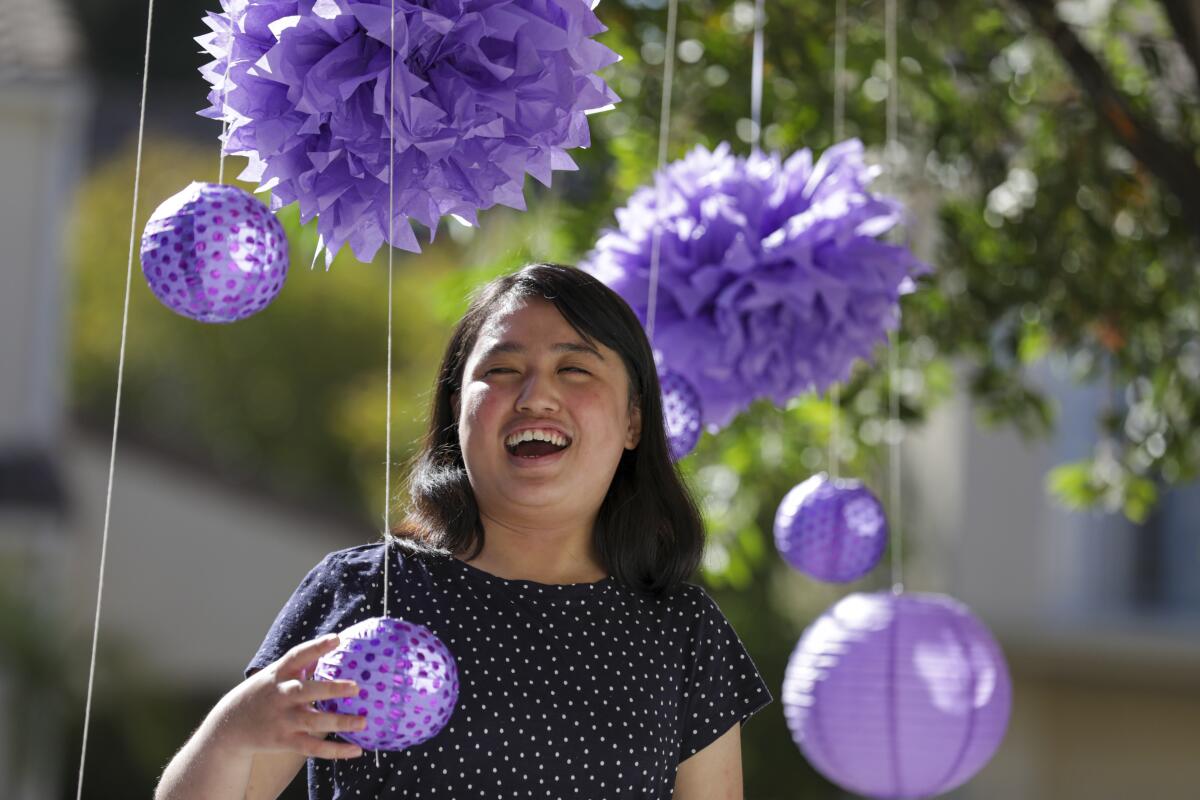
(408, 682)
(772, 277)
(897, 696)
(833, 530)
(214, 253)
(474, 96)
(681, 412)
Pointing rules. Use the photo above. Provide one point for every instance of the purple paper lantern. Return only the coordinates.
(408, 682)
(772, 279)
(681, 412)
(897, 696)
(214, 253)
(480, 95)
(833, 530)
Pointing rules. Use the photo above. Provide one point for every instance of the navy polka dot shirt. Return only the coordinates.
(583, 690)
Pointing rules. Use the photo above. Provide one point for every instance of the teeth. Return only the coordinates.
(540, 435)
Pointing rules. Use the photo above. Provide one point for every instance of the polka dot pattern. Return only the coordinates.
(681, 412)
(832, 530)
(214, 253)
(407, 677)
(584, 690)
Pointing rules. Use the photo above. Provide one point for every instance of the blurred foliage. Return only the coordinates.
(1046, 236)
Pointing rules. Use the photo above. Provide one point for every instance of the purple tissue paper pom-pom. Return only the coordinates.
(772, 280)
(484, 91)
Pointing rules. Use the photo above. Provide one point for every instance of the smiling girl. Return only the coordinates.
(548, 542)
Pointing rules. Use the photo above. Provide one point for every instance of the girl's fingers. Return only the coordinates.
(323, 748)
(314, 721)
(328, 690)
(301, 656)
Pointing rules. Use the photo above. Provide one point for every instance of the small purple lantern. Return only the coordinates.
(834, 530)
(214, 253)
(681, 412)
(408, 682)
(897, 696)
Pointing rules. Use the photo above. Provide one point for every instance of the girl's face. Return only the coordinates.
(529, 369)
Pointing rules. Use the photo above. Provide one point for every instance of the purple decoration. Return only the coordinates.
(214, 253)
(833, 530)
(681, 412)
(771, 278)
(408, 682)
(897, 696)
(484, 92)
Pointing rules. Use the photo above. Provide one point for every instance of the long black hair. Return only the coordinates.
(649, 533)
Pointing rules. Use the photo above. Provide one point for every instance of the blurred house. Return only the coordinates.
(1099, 618)
(43, 105)
(196, 566)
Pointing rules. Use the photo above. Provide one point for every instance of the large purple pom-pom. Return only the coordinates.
(771, 278)
(214, 253)
(408, 682)
(833, 530)
(485, 91)
(897, 696)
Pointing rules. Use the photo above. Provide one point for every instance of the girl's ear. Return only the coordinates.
(633, 433)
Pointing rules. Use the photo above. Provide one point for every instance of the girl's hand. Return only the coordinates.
(272, 711)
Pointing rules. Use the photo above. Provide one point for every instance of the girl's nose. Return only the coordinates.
(537, 395)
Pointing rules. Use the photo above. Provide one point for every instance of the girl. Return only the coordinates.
(547, 542)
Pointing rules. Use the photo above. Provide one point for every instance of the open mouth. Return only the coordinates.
(533, 449)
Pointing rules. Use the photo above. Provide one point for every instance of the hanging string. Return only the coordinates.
(387, 434)
(756, 75)
(894, 432)
(839, 125)
(664, 130)
(387, 426)
(839, 72)
(112, 456)
(224, 96)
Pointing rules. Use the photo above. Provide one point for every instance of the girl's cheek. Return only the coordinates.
(477, 400)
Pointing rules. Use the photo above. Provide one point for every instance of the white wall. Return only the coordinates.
(196, 569)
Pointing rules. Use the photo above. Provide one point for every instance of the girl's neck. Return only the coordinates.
(565, 555)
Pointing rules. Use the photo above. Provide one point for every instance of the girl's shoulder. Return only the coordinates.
(365, 561)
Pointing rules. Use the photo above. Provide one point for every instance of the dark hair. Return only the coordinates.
(648, 532)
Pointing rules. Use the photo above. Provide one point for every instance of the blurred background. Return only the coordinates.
(1049, 381)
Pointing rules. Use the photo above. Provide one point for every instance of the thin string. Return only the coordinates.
(387, 434)
(756, 76)
(664, 130)
(839, 73)
(224, 97)
(895, 433)
(112, 456)
(839, 125)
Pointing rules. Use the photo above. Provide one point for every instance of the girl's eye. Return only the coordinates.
(497, 369)
(577, 369)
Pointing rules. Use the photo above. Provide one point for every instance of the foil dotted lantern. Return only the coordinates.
(897, 695)
(831, 529)
(407, 677)
(681, 412)
(214, 253)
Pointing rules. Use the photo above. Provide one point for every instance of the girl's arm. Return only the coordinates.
(715, 773)
(256, 738)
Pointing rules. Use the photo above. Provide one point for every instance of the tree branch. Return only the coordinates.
(1172, 165)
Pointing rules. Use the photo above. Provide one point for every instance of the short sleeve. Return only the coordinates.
(724, 687)
(331, 597)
